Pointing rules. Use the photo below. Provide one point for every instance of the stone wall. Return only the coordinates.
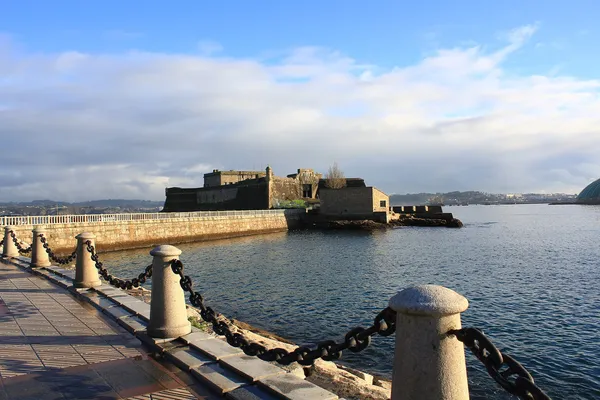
(118, 235)
(378, 198)
(248, 195)
(284, 189)
(346, 202)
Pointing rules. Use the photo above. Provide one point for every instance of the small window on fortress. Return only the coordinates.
(307, 190)
(382, 203)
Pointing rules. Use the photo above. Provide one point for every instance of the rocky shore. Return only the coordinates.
(403, 220)
(346, 382)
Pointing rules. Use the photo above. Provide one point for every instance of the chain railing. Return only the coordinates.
(60, 260)
(504, 369)
(21, 249)
(113, 280)
(356, 339)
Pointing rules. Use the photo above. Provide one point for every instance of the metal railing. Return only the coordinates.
(93, 218)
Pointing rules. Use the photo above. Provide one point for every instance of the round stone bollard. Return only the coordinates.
(428, 364)
(39, 256)
(168, 313)
(9, 249)
(86, 274)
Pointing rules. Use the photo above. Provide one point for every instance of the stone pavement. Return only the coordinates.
(55, 347)
(91, 344)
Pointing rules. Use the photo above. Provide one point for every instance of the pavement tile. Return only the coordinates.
(127, 379)
(218, 378)
(291, 387)
(170, 394)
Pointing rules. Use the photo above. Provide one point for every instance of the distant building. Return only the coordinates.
(244, 190)
(590, 194)
(355, 203)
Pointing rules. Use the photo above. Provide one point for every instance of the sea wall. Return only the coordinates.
(119, 235)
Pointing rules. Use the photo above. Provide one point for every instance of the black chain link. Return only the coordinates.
(113, 280)
(60, 260)
(356, 340)
(515, 379)
(21, 249)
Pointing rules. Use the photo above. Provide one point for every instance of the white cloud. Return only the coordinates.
(82, 126)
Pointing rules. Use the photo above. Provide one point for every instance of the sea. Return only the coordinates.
(531, 274)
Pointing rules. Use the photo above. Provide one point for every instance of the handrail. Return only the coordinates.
(93, 218)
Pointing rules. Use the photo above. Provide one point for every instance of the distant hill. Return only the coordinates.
(109, 203)
(456, 197)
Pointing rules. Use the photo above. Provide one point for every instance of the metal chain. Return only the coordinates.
(21, 249)
(356, 340)
(515, 379)
(60, 260)
(113, 280)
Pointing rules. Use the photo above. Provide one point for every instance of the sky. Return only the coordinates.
(114, 99)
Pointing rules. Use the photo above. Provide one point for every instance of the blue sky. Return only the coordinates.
(386, 33)
(496, 96)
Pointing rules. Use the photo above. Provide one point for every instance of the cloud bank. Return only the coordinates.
(77, 126)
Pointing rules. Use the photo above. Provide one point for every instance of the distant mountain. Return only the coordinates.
(109, 203)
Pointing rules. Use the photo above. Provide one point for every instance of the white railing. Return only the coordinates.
(92, 218)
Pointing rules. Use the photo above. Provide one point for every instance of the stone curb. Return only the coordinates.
(211, 360)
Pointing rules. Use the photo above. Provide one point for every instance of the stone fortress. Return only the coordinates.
(244, 190)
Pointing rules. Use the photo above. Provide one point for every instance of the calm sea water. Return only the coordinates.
(531, 274)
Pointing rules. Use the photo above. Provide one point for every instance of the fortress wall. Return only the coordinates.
(119, 235)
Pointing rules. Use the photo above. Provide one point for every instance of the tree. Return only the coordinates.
(335, 179)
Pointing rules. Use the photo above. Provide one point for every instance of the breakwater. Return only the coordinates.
(128, 231)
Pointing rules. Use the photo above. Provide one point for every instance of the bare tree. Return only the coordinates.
(334, 178)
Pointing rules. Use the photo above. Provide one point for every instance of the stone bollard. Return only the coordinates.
(39, 256)
(168, 313)
(86, 274)
(10, 249)
(428, 364)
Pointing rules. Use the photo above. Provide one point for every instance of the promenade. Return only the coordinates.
(53, 346)
(57, 342)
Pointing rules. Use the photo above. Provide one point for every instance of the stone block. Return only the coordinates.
(291, 387)
(140, 308)
(187, 358)
(196, 335)
(133, 324)
(251, 367)
(250, 393)
(117, 312)
(218, 378)
(215, 348)
(154, 342)
(101, 302)
(420, 209)
(108, 290)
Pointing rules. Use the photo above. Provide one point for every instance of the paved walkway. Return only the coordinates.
(53, 346)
